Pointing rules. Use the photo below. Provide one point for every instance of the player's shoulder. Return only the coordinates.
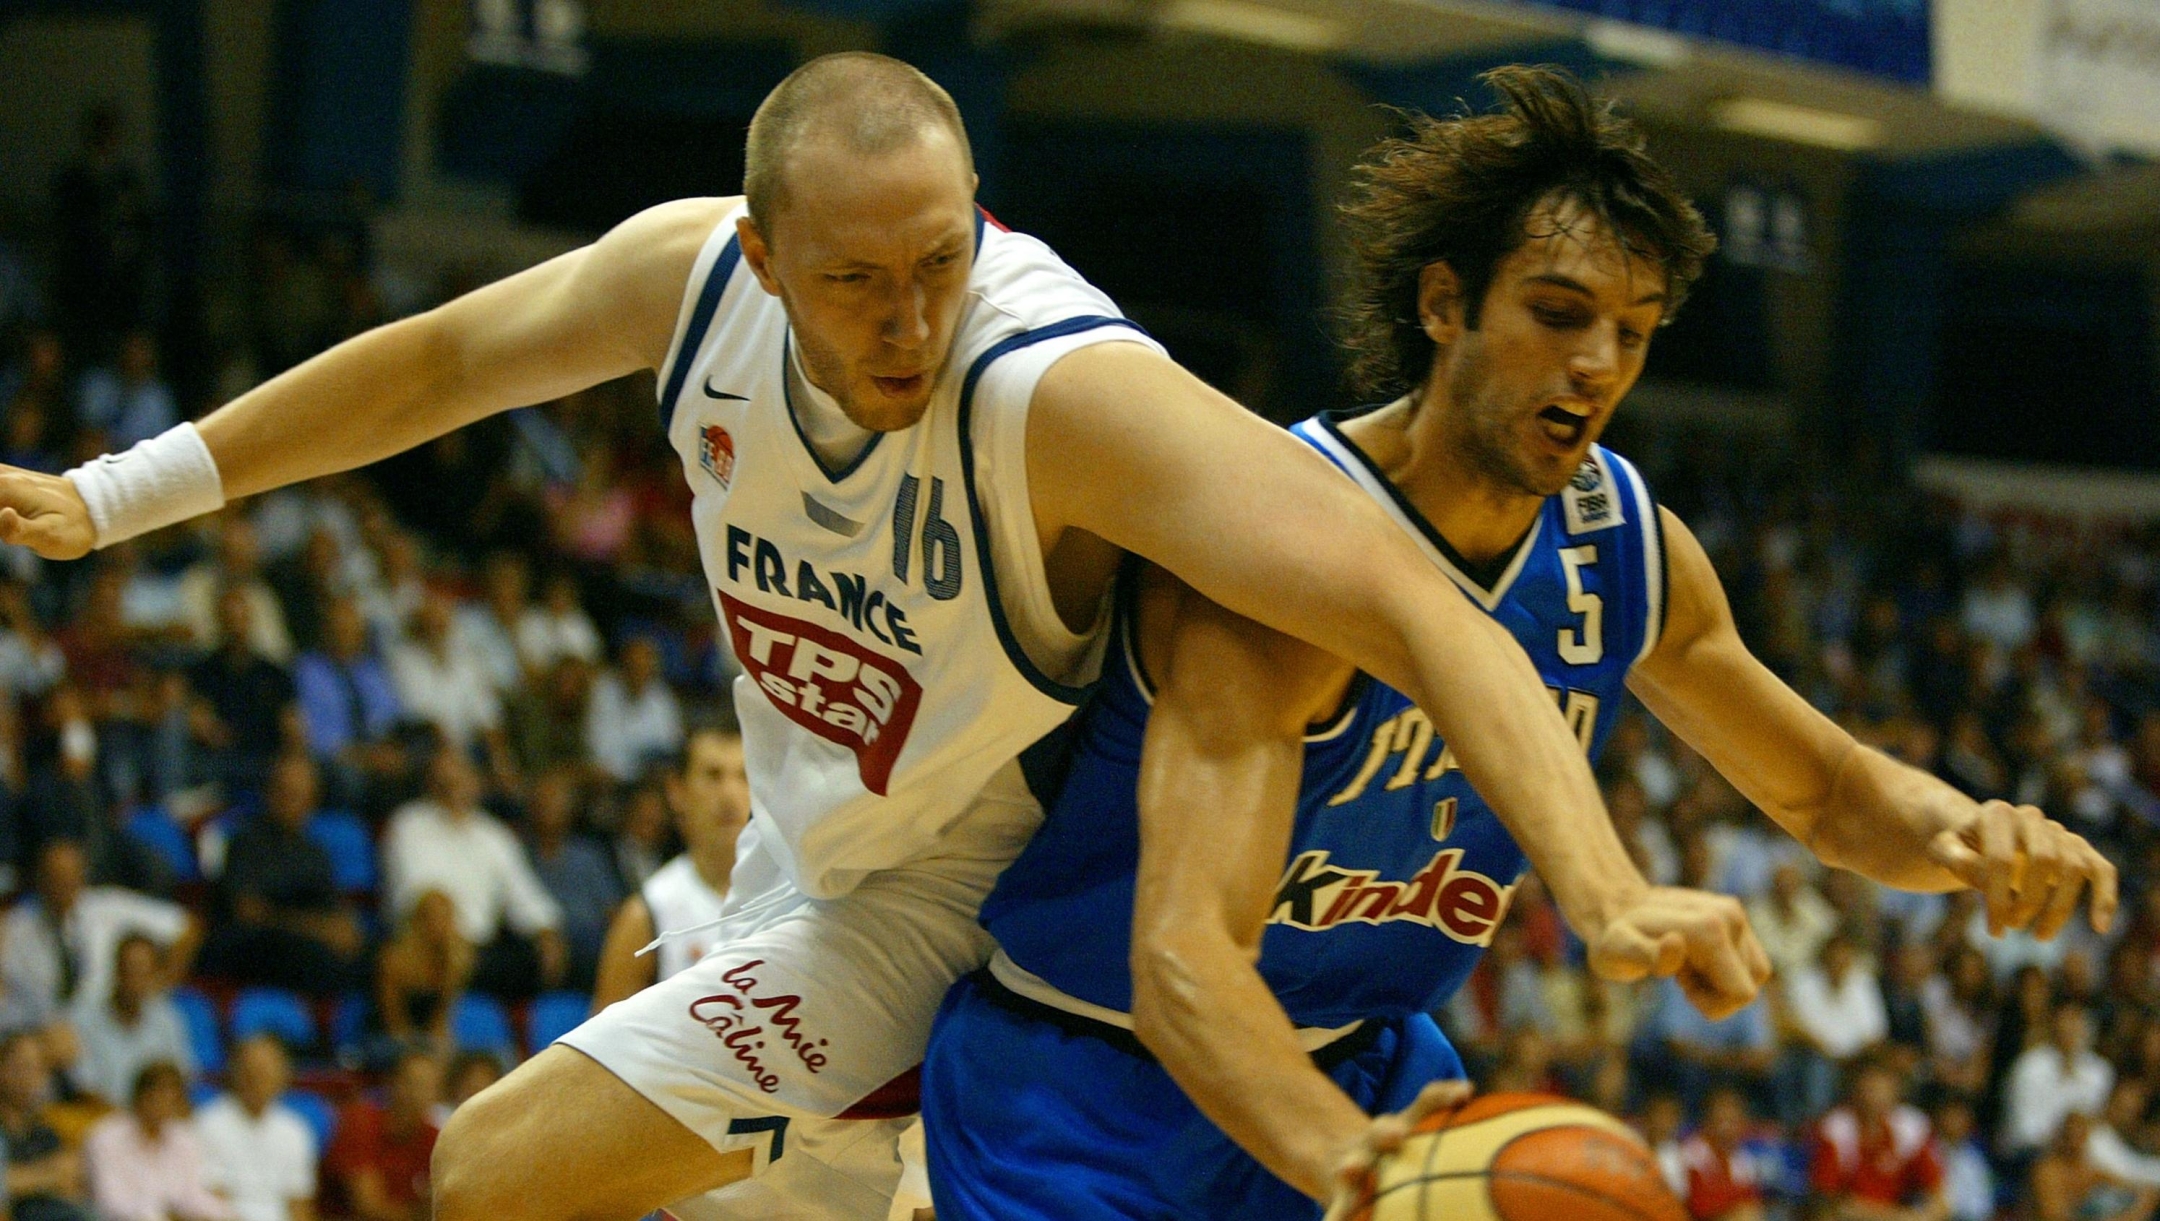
(1023, 282)
(666, 237)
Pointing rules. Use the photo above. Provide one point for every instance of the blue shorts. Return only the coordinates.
(1031, 1116)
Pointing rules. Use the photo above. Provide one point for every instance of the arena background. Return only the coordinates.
(1913, 412)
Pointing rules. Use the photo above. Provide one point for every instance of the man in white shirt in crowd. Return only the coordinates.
(2052, 1079)
(633, 718)
(257, 1152)
(1791, 919)
(134, 1025)
(1836, 1012)
(1968, 1180)
(61, 942)
(557, 628)
(445, 686)
(447, 842)
(2110, 1146)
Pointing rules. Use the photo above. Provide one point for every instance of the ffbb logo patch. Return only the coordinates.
(716, 453)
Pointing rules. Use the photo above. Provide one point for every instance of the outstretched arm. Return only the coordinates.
(1126, 446)
(596, 313)
(1218, 796)
(1853, 806)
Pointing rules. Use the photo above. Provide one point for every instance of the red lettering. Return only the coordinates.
(1464, 904)
(828, 684)
(1469, 907)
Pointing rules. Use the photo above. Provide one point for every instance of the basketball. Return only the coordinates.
(1520, 1157)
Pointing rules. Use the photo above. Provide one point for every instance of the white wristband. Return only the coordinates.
(166, 479)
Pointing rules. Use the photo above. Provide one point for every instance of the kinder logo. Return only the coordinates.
(1463, 903)
(716, 453)
(829, 685)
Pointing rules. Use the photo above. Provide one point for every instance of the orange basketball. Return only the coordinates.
(1520, 1157)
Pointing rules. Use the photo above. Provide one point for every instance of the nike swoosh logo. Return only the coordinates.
(722, 394)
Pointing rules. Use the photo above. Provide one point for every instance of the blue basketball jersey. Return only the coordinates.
(1398, 872)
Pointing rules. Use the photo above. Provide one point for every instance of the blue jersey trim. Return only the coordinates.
(708, 302)
(1302, 430)
(1062, 692)
(787, 396)
(1369, 475)
(1650, 535)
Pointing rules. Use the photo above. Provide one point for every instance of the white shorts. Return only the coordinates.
(846, 1172)
(804, 1007)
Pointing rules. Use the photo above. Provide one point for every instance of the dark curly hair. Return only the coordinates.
(1460, 191)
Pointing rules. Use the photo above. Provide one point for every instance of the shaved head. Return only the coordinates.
(865, 103)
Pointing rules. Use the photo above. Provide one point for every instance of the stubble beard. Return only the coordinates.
(1482, 433)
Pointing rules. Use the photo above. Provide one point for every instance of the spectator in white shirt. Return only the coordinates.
(2052, 1079)
(557, 628)
(445, 686)
(488, 629)
(446, 842)
(1836, 1011)
(394, 591)
(633, 718)
(145, 1163)
(2109, 1147)
(60, 943)
(1968, 1180)
(1958, 1008)
(1791, 919)
(257, 1152)
(135, 1026)
(128, 402)
(237, 565)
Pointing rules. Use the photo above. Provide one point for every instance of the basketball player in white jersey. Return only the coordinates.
(710, 795)
(668, 925)
(919, 448)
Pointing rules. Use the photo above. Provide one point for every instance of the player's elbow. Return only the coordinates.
(1164, 992)
(1170, 970)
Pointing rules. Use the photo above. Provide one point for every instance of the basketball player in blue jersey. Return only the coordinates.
(918, 446)
(1217, 957)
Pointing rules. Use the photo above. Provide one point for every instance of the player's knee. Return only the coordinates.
(474, 1172)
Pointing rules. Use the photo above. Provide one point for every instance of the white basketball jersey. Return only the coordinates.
(882, 684)
(677, 898)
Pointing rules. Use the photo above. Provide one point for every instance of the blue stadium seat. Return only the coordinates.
(321, 1117)
(351, 846)
(199, 1014)
(201, 1093)
(348, 1022)
(156, 830)
(556, 1014)
(276, 1010)
(479, 1023)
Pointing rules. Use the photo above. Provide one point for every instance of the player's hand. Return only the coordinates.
(2028, 868)
(1354, 1174)
(1701, 939)
(44, 513)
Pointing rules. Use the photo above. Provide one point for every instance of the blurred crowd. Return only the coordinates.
(1904, 1062)
(314, 815)
(317, 812)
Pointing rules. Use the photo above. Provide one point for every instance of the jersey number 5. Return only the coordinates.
(1586, 647)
